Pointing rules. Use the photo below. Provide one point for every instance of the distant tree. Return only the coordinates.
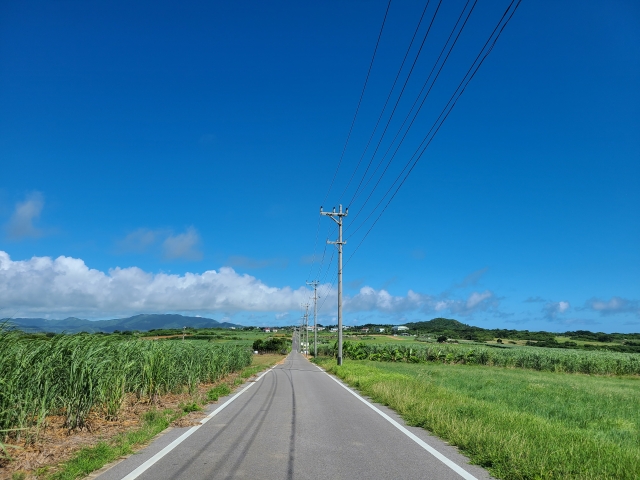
(441, 339)
(499, 340)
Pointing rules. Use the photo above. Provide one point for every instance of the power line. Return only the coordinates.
(329, 290)
(324, 251)
(364, 87)
(398, 99)
(388, 97)
(428, 138)
(360, 210)
(315, 246)
(448, 109)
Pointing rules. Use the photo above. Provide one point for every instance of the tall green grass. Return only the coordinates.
(519, 424)
(534, 358)
(72, 375)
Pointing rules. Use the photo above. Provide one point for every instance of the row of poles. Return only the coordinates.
(336, 216)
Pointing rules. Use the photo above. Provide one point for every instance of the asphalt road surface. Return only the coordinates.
(296, 422)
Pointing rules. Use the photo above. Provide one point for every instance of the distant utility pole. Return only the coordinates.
(183, 332)
(305, 323)
(315, 284)
(337, 217)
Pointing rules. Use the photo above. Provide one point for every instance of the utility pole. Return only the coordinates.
(305, 323)
(337, 217)
(315, 284)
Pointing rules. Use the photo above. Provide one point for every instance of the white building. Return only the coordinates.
(400, 328)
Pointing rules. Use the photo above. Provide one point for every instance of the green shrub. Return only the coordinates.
(218, 391)
(191, 407)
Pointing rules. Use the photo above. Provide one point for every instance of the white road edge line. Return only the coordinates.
(449, 463)
(146, 465)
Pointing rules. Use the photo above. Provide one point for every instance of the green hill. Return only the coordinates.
(441, 325)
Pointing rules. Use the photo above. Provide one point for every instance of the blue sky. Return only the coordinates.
(171, 157)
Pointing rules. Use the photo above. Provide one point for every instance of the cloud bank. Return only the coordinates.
(66, 285)
(613, 306)
(43, 286)
(369, 299)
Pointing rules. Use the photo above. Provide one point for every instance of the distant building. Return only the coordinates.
(381, 330)
(334, 329)
(365, 330)
(400, 328)
(266, 330)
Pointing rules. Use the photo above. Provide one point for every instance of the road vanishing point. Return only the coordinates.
(296, 422)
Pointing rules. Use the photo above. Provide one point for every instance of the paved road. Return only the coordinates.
(296, 422)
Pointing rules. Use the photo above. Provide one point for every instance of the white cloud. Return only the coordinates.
(21, 223)
(184, 246)
(475, 302)
(614, 305)
(552, 309)
(381, 300)
(66, 285)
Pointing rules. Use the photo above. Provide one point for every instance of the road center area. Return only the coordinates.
(296, 422)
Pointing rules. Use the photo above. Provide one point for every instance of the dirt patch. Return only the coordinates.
(190, 420)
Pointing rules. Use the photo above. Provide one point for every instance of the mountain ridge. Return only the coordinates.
(141, 322)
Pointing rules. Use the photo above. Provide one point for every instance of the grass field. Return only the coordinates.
(534, 358)
(518, 424)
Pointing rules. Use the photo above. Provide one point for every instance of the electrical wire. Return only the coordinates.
(388, 97)
(419, 152)
(364, 87)
(398, 100)
(446, 111)
(444, 48)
